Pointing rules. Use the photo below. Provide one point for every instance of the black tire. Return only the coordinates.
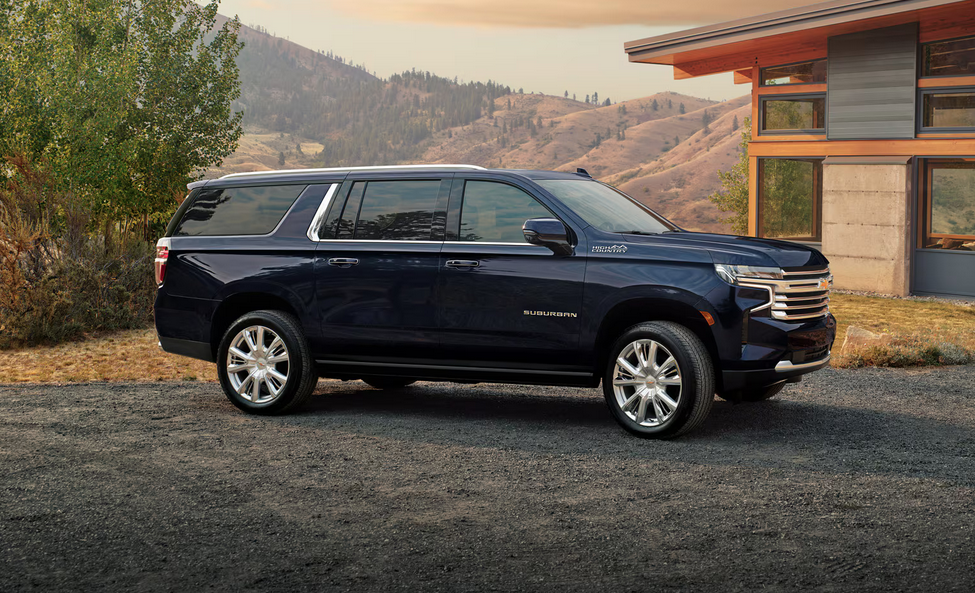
(754, 394)
(388, 382)
(302, 376)
(694, 370)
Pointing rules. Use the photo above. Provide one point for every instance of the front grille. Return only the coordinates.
(800, 295)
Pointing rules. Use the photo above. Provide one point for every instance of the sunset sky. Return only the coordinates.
(548, 46)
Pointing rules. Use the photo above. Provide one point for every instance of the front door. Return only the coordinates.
(503, 302)
(377, 275)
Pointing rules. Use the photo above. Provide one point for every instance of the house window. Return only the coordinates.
(802, 113)
(948, 205)
(813, 72)
(790, 200)
(949, 58)
(948, 109)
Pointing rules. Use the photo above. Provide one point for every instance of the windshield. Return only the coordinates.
(606, 208)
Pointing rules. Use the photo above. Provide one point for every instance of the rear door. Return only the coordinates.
(504, 302)
(376, 269)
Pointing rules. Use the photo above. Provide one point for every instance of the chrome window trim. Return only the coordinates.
(525, 244)
(316, 220)
(407, 241)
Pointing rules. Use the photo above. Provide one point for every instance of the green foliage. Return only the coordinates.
(107, 110)
(124, 102)
(787, 198)
(733, 195)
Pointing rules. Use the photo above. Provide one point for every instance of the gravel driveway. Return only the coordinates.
(850, 481)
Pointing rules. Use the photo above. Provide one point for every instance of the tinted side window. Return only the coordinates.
(397, 210)
(238, 210)
(495, 212)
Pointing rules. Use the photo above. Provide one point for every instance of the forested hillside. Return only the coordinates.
(307, 108)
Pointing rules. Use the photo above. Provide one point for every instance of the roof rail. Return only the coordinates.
(348, 169)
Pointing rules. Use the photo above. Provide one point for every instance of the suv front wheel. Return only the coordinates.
(264, 363)
(659, 380)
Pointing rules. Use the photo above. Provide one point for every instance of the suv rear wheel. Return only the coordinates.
(264, 363)
(659, 380)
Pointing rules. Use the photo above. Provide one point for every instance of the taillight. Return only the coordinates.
(162, 255)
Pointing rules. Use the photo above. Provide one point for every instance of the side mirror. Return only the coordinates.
(548, 232)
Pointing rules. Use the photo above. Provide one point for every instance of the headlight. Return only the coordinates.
(732, 274)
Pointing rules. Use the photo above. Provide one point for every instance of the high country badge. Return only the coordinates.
(609, 248)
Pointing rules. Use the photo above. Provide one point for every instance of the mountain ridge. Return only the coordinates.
(306, 108)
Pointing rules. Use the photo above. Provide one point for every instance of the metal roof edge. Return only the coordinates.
(813, 12)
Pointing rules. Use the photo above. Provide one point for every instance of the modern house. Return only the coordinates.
(863, 142)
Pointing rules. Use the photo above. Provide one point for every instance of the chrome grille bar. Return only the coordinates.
(796, 299)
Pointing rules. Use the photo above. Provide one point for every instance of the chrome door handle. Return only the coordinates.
(462, 263)
(343, 262)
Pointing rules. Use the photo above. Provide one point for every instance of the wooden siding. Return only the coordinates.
(872, 82)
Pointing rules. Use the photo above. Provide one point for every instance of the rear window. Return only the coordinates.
(238, 210)
(397, 210)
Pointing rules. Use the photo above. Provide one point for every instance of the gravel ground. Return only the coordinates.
(851, 481)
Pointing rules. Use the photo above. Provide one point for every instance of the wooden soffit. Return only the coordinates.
(795, 35)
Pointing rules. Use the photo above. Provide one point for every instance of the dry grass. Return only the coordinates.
(135, 356)
(922, 331)
(118, 356)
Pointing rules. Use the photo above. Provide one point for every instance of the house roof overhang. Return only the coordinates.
(792, 35)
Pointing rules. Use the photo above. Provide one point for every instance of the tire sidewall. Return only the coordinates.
(296, 362)
(689, 381)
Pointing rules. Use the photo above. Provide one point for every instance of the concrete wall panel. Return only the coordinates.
(867, 226)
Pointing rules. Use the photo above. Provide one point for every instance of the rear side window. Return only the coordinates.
(397, 210)
(496, 212)
(238, 210)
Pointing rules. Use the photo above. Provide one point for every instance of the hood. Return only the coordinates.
(729, 249)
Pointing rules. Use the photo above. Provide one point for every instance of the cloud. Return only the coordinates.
(561, 13)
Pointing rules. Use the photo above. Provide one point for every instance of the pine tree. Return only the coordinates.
(682, 109)
(587, 98)
(655, 106)
(566, 94)
(670, 104)
(280, 159)
(595, 98)
(734, 124)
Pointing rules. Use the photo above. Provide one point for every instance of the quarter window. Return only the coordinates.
(496, 212)
(790, 199)
(238, 210)
(397, 210)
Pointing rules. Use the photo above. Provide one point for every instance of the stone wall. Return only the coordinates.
(867, 226)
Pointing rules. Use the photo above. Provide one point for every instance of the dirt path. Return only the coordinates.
(852, 481)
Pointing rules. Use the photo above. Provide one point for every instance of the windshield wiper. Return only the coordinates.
(644, 233)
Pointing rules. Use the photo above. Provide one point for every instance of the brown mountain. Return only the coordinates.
(305, 108)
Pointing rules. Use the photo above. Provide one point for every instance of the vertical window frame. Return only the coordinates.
(925, 203)
(817, 199)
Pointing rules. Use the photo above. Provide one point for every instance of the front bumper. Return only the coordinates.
(784, 371)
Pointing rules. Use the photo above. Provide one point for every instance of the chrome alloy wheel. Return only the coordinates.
(647, 383)
(257, 364)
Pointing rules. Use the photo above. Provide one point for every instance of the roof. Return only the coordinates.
(694, 44)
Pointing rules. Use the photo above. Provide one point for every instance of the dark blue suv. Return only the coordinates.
(458, 273)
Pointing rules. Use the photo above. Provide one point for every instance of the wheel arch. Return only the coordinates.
(627, 313)
(241, 303)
